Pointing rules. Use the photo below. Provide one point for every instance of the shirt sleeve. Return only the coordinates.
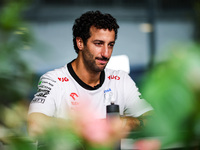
(44, 99)
(134, 105)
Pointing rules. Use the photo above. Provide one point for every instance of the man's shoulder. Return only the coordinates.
(56, 73)
(115, 72)
(119, 75)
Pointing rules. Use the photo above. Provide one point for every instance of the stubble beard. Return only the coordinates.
(90, 63)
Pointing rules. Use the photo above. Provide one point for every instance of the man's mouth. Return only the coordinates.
(102, 60)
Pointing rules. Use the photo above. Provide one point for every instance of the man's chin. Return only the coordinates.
(100, 68)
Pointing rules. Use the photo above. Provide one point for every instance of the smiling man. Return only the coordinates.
(86, 80)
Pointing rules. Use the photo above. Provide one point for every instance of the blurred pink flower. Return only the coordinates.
(148, 144)
(96, 131)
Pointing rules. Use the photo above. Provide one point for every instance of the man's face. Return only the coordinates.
(98, 50)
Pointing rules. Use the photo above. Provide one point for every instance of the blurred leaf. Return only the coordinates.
(15, 72)
(20, 143)
(11, 15)
(171, 88)
(58, 139)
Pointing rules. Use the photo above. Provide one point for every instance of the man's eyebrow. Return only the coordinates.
(103, 41)
(98, 41)
(112, 42)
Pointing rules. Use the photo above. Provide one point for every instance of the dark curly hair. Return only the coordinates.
(81, 27)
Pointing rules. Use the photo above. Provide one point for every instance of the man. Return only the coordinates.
(85, 79)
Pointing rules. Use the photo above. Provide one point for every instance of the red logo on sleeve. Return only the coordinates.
(114, 77)
(63, 79)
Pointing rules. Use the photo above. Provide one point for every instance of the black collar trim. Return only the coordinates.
(81, 83)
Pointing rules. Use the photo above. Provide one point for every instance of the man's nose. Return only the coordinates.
(105, 52)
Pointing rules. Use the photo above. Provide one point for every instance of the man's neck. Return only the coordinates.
(89, 77)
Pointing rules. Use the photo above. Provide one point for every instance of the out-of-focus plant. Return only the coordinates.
(15, 73)
(82, 131)
(15, 37)
(173, 89)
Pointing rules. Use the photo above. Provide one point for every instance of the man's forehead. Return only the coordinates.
(102, 33)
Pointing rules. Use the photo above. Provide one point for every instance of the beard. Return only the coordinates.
(90, 63)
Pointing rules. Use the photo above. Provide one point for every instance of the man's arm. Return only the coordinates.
(38, 123)
(136, 123)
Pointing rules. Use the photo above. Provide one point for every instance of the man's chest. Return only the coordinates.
(73, 96)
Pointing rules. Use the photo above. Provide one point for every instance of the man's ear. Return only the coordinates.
(79, 43)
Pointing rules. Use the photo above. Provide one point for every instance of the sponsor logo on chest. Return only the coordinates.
(108, 96)
(74, 99)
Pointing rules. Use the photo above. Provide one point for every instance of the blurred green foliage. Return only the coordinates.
(15, 37)
(173, 89)
(15, 75)
(68, 138)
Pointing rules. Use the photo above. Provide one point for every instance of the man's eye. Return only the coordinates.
(97, 44)
(111, 45)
